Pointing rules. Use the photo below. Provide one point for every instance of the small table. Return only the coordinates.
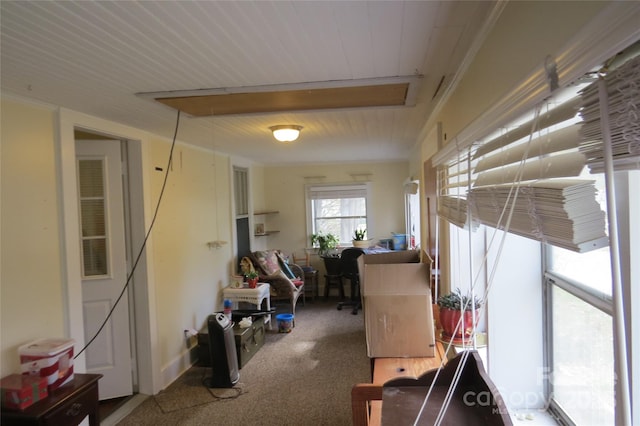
(67, 405)
(254, 296)
(311, 282)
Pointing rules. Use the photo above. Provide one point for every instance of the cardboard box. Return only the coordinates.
(397, 304)
(49, 358)
(19, 391)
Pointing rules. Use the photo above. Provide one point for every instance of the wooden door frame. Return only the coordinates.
(149, 379)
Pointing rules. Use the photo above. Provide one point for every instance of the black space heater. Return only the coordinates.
(224, 360)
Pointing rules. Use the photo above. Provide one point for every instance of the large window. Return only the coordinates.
(581, 380)
(580, 333)
(338, 210)
(558, 201)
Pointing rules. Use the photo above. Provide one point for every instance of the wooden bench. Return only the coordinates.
(366, 398)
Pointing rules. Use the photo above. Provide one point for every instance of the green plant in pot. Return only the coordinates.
(252, 279)
(324, 242)
(358, 238)
(450, 307)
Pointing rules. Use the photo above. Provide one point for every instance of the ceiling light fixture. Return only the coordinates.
(286, 132)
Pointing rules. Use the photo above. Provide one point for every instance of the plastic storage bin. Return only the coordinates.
(285, 323)
(399, 241)
(19, 391)
(50, 358)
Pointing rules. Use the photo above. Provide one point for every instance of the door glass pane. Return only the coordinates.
(92, 212)
(93, 217)
(94, 254)
(583, 372)
(91, 175)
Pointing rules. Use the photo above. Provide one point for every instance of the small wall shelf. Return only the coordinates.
(266, 233)
(263, 232)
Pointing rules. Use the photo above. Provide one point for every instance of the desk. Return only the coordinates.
(254, 296)
(66, 406)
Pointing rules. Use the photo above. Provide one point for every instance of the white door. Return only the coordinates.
(104, 272)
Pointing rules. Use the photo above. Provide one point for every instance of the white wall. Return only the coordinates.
(189, 274)
(186, 275)
(31, 287)
(515, 353)
(526, 32)
(284, 190)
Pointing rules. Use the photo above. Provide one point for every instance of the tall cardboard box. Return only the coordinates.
(397, 304)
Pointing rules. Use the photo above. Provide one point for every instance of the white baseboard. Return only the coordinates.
(178, 366)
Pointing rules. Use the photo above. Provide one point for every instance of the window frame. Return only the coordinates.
(337, 187)
(592, 297)
(627, 202)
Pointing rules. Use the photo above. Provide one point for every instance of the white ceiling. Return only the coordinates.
(94, 57)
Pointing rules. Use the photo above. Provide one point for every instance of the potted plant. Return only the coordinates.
(252, 279)
(358, 238)
(324, 242)
(450, 307)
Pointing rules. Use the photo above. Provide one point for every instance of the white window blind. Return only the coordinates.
(453, 182)
(623, 90)
(337, 191)
(518, 167)
(524, 181)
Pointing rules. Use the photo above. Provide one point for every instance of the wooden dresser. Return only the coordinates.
(66, 406)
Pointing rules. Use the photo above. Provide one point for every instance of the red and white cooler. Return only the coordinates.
(50, 358)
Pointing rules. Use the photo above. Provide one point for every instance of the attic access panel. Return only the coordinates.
(394, 94)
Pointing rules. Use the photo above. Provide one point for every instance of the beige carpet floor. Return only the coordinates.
(299, 378)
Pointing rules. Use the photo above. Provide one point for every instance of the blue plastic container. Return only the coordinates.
(399, 241)
(285, 323)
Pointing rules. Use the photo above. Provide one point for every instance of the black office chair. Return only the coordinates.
(333, 277)
(349, 264)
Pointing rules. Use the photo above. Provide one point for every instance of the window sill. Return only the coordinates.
(530, 417)
(533, 417)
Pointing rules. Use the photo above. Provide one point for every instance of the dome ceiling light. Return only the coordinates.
(286, 132)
